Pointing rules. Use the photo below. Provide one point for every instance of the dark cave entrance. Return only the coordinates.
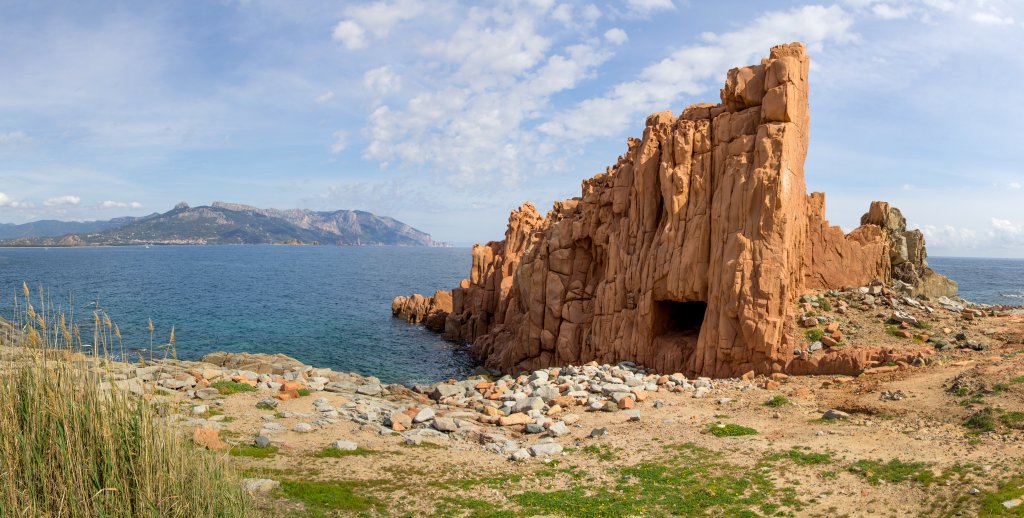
(676, 327)
(678, 318)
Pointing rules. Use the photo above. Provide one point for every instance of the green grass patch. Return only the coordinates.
(730, 430)
(331, 496)
(653, 489)
(255, 452)
(894, 472)
(777, 401)
(1012, 419)
(803, 458)
(601, 451)
(992, 502)
(981, 421)
(335, 453)
(825, 304)
(227, 388)
(465, 484)
(303, 392)
(423, 445)
(815, 335)
(1017, 381)
(469, 508)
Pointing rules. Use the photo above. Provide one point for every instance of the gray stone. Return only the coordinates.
(267, 403)
(546, 392)
(369, 390)
(259, 486)
(598, 432)
(544, 449)
(444, 390)
(899, 317)
(832, 414)
(303, 428)
(207, 393)
(344, 445)
(534, 428)
(1010, 504)
(658, 404)
(612, 388)
(530, 403)
(424, 415)
(815, 346)
(200, 409)
(445, 424)
(700, 392)
(261, 442)
(558, 429)
(632, 415)
(520, 455)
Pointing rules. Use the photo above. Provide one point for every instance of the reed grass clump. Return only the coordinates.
(76, 442)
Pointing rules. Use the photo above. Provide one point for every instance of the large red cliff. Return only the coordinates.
(689, 253)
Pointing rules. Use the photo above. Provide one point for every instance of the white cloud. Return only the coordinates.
(382, 80)
(616, 36)
(646, 7)
(1006, 227)
(350, 34)
(324, 97)
(889, 12)
(1015, 185)
(563, 14)
(478, 93)
(1001, 234)
(340, 141)
(693, 70)
(374, 21)
(62, 200)
(109, 204)
(988, 18)
(7, 201)
(13, 138)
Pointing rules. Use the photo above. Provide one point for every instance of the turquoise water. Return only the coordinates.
(326, 306)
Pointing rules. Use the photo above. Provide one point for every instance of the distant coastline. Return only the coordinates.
(221, 224)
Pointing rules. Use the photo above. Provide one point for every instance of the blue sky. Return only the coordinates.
(447, 114)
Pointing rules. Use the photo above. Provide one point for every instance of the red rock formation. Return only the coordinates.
(431, 311)
(687, 255)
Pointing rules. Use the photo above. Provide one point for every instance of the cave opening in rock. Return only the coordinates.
(678, 318)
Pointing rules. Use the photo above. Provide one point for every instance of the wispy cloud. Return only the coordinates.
(14, 138)
(58, 201)
(109, 204)
(7, 201)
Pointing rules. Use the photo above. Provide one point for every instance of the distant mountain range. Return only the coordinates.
(221, 223)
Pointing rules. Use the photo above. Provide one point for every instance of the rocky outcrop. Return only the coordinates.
(687, 255)
(907, 254)
(432, 312)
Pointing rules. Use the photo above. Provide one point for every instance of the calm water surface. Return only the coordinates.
(326, 306)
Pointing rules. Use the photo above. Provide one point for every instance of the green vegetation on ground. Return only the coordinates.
(730, 430)
(226, 387)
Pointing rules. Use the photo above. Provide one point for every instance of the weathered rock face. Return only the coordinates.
(907, 253)
(430, 311)
(687, 255)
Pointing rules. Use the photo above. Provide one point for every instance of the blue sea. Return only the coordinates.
(326, 306)
(987, 281)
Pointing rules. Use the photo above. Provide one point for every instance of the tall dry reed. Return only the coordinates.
(75, 442)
